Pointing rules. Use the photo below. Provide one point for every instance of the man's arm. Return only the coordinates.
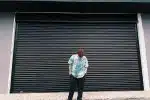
(86, 63)
(70, 62)
(70, 69)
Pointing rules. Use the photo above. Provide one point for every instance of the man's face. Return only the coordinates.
(80, 53)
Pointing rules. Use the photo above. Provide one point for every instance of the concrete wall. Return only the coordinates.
(6, 30)
(146, 27)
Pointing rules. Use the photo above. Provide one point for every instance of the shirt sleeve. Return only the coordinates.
(86, 63)
(70, 60)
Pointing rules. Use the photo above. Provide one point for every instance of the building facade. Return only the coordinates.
(38, 37)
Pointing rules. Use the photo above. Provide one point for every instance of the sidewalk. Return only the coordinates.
(132, 95)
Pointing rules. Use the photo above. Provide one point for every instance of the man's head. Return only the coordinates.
(80, 53)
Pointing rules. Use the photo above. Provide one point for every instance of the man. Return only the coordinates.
(78, 65)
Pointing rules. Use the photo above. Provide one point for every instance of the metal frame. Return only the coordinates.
(141, 42)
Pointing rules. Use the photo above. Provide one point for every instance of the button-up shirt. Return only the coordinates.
(78, 66)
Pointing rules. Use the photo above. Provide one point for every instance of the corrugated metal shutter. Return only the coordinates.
(44, 43)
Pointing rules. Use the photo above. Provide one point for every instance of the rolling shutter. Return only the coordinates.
(44, 43)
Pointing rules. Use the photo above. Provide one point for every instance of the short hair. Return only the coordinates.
(80, 50)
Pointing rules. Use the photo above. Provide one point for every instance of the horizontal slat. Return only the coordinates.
(72, 25)
(46, 76)
(76, 21)
(34, 26)
(77, 30)
(115, 72)
(108, 52)
(22, 64)
(43, 79)
(100, 33)
(122, 84)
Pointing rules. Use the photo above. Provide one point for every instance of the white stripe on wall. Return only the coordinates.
(143, 53)
(11, 57)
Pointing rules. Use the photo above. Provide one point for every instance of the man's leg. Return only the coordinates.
(72, 87)
(80, 84)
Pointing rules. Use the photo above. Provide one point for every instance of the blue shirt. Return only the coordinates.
(78, 66)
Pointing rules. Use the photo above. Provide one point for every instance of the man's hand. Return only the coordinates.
(70, 69)
(69, 73)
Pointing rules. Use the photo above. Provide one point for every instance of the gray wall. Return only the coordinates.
(146, 27)
(6, 29)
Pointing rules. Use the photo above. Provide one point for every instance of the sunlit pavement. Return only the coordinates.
(128, 95)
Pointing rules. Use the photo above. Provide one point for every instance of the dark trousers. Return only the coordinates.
(79, 82)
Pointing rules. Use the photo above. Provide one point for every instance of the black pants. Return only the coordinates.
(79, 82)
